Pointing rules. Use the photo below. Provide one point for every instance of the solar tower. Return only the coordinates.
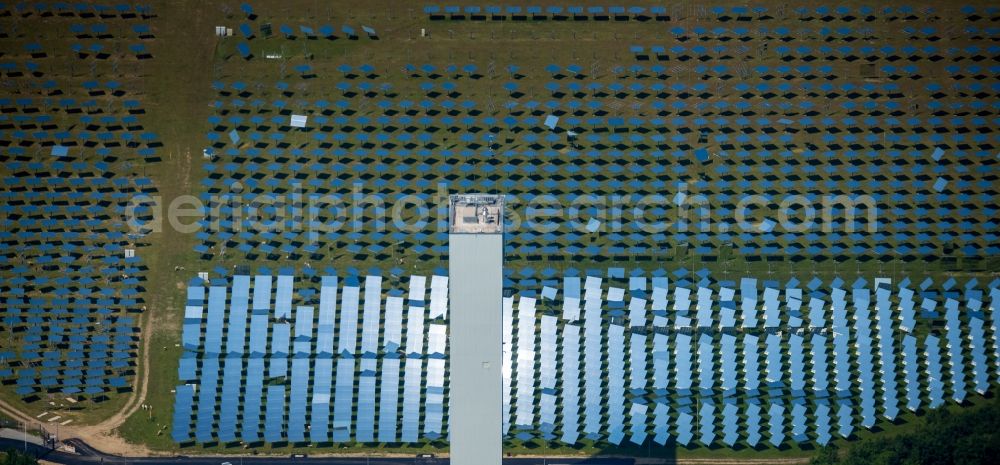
(475, 248)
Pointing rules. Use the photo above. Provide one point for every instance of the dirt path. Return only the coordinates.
(170, 86)
(16, 414)
(136, 401)
(102, 436)
(172, 95)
